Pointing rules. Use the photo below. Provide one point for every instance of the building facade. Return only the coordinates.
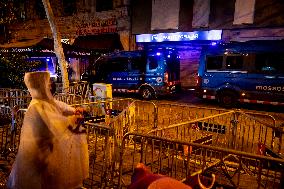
(178, 23)
(186, 25)
(102, 25)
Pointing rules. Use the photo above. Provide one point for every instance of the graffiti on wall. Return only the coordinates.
(98, 26)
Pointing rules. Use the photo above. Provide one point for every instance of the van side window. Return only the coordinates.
(137, 63)
(153, 62)
(214, 62)
(269, 63)
(234, 62)
(118, 65)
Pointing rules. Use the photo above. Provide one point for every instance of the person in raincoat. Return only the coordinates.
(51, 155)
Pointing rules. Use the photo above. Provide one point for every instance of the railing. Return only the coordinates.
(232, 168)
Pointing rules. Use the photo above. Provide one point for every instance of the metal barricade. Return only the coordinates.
(13, 97)
(13, 101)
(79, 88)
(104, 110)
(11, 124)
(169, 114)
(18, 115)
(103, 156)
(139, 116)
(69, 98)
(7, 92)
(10, 128)
(233, 169)
(234, 130)
(5, 130)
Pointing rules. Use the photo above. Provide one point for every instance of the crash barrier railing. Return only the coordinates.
(233, 130)
(103, 156)
(11, 120)
(105, 139)
(14, 101)
(138, 116)
(233, 169)
(13, 97)
(102, 110)
(10, 129)
(69, 98)
(7, 92)
(143, 116)
(79, 88)
(168, 114)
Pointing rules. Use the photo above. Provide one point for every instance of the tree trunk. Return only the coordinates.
(57, 44)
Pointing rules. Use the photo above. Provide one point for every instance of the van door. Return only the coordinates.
(136, 74)
(155, 70)
(117, 72)
(173, 67)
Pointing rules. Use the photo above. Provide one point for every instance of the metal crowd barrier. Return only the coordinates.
(168, 114)
(233, 130)
(222, 137)
(69, 98)
(103, 155)
(7, 92)
(10, 129)
(139, 116)
(11, 120)
(104, 108)
(79, 88)
(14, 101)
(144, 116)
(233, 169)
(13, 97)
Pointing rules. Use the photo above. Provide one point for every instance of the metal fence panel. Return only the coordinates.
(169, 157)
(234, 130)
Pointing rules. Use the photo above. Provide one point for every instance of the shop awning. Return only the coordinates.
(43, 46)
(108, 42)
(21, 44)
(42, 43)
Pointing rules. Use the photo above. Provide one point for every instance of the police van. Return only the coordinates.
(250, 72)
(147, 72)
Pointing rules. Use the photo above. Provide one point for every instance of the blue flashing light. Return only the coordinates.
(47, 59)
(158, 53)
(169, 56)
(213, 43)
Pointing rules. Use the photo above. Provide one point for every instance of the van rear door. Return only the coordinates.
(173, 67)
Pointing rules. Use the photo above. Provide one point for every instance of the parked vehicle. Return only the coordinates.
(147, 72)
(250, 72)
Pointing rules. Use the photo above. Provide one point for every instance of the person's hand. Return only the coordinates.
(79, 111)
(76, 122)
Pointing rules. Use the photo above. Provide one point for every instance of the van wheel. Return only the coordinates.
(227, 99)
(147, 93)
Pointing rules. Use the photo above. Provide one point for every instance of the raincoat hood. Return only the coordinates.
(38, 84)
